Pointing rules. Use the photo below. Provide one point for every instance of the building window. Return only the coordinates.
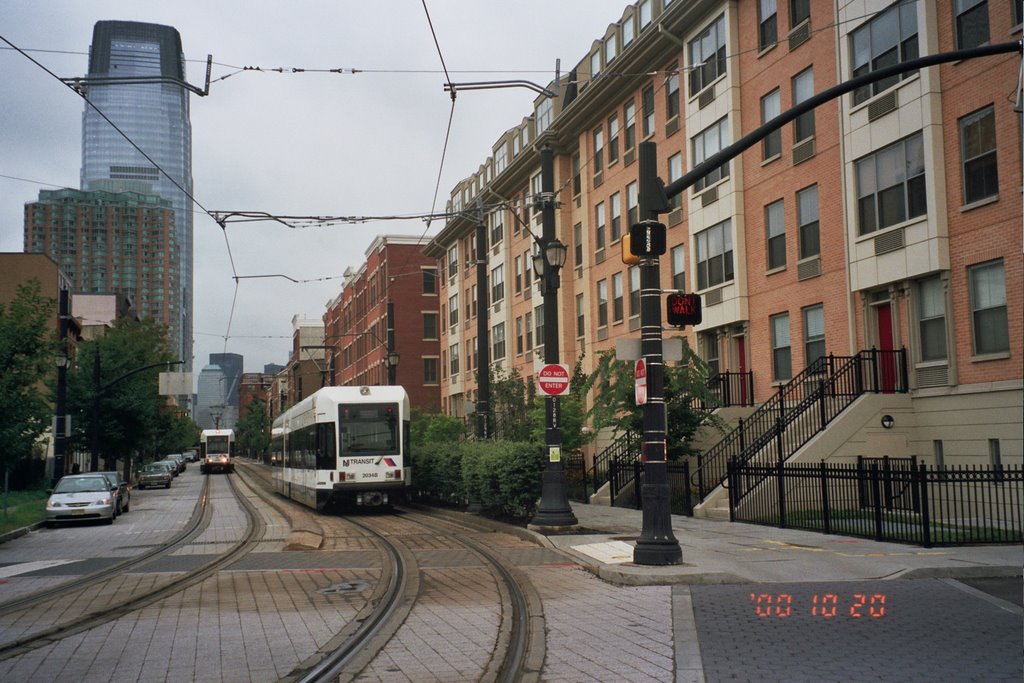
(602, 303)
(678, 256)
(595, 63)
(799, 12)
(632, 204)
(675, 172)
(775, 229)
(814, 334)
(528, 325)
(519, 274)
(581, 326)
(888, 39)
(771, 107)
(768, 24)
(527, 268)
(616, 226)
(629, 120)
(672, 93)
(891, 185)
(598, 150)
(707, 56)
(613, 139)
(497, 283)
(519, 336)
(782, 364)
(577, 238)
(647, 101)
(714, 255)
(498, 341)
(803, 89)
(706, 144)
(430, 327)
(453, 359)
(497, 227)
(430, 281)
(535, 195)
(544, 114)
(634, 291)
(807, 222)
(617, 297)
(473, 298)
(538, 319)
(988, 308)
(931, 305)
(500, 159)
(599, 226)
(628, 31)
(453, 309)
(978, 155)
(708, 344)
(645, 13)
(577, 183)
(453, 261)
(430, 371)
(971, 23)
(610, 49)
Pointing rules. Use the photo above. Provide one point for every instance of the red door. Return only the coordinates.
(886, 344)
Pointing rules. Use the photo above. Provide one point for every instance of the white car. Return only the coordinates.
(81, 497)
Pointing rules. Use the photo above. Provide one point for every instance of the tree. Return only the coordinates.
(686, 389)
(110, 393)
(254, 430)
(28, 346)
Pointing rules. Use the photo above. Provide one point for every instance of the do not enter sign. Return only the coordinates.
(640, 382)
(553, 379)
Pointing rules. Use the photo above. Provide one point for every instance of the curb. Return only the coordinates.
(16, 533)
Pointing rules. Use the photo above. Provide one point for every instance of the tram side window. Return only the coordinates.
(326, 459)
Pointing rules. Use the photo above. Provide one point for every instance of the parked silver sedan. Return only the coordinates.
(81, 497)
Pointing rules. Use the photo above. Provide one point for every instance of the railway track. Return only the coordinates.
(198, 522)
(519, 651)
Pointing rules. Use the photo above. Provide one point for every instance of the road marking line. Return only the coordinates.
(26, 567)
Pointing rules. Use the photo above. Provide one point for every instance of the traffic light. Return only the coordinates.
(683, 309)
(628, 257)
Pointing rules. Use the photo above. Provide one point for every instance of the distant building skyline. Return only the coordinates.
(136, 76)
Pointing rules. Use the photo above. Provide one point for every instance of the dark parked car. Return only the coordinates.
(172, 465)
(155, 474)
(122, 492)
(81, 497)
(179, 459)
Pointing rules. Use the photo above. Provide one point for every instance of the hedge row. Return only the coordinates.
(503, 476)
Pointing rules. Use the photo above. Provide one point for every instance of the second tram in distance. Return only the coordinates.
(344, 445)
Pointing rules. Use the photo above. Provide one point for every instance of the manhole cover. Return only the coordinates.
(347, 587)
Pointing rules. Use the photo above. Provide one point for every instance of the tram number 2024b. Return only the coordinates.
(820, 605)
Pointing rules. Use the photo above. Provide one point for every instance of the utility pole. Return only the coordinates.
(483, 366)
(60, 438)
(392, 355)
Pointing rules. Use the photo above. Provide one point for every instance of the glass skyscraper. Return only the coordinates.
(136, 78)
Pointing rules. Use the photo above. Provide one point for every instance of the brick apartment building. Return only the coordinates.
(888, 218)
(356, 321)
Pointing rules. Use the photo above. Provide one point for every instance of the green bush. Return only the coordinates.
(504, 476)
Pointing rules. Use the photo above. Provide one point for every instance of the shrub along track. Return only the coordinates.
(198, 523)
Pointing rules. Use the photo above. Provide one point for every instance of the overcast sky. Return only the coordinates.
(368, 144)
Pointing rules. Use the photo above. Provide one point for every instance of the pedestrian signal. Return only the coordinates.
(683, 309)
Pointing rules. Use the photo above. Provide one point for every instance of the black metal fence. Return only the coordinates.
(884, 501)
(802, 408)
(731, 389)
(627, 481)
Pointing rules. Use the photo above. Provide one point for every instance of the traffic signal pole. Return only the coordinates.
(657, 544)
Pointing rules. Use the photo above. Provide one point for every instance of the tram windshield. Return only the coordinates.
(368, 429)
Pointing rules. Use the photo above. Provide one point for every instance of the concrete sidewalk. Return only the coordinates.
(725, 552)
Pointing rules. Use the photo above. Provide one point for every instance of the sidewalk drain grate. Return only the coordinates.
(347, 587)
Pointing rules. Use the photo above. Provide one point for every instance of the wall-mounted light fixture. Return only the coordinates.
(888, 421)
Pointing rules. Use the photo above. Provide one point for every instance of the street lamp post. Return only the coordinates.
(392, 359)
(554, 509)
(60, 431)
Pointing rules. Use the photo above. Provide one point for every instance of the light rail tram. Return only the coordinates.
(216, 450)
(344, 446)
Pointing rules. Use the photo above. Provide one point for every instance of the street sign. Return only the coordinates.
(640, 382)
(683, 309)
(553, 379)
(647, 238)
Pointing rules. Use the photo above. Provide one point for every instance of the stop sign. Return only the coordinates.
(553, 379)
